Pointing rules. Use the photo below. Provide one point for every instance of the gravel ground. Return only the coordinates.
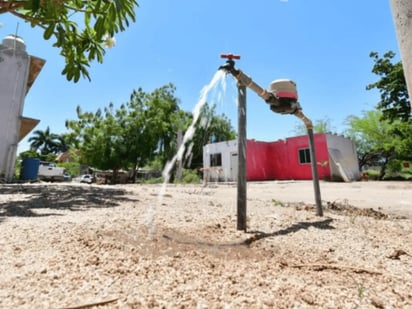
(149, 246)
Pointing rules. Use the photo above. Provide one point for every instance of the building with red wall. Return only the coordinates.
(284, 159)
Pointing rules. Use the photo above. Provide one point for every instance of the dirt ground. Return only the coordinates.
(177, 246)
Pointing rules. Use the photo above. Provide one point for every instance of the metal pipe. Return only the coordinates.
(242, 141)
(306, 120)
(315, 177)
(248, 82)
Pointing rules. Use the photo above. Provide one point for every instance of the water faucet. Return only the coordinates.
(229, 66)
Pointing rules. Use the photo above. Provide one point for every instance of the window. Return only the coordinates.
(304, 156)
(216, 159)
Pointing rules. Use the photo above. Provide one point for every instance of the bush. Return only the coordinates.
(155, 164)
(189, 176)
(372, 174)
(397, 171)
(72, 168)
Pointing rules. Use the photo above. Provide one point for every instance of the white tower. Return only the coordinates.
(18, 70)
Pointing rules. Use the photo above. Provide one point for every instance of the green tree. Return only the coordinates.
(144, 130)
(144, 120)
(130, 135)
(99, 135)
(79, 44)
(166, 119)
(28, 154)
(394, 100)
(320, 126)
(210, 128)
(43, 141)
(379, 141)
(64, 142)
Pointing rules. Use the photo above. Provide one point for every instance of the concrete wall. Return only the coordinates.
(14, 69)
(402, 17)
(289, 165)
(226, 171)
(343, 158)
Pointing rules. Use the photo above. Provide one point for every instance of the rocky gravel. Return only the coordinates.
(150, 246)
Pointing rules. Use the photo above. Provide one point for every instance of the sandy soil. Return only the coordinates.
(89, 246)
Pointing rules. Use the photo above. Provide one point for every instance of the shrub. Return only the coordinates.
(372, 174)
(72, 168)
(190, 176)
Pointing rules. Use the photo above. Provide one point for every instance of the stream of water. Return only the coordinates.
(212, 93)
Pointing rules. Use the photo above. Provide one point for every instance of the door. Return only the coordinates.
(234, 164)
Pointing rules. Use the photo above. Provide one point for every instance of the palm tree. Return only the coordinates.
(44, 141)
(61, 144)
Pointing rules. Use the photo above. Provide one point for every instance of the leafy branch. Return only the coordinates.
(79, 45)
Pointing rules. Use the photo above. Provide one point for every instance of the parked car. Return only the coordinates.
(67, 177)
(48, 171)
(87, 178)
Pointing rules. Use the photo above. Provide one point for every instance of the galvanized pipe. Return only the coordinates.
(315, 176)
(248, 82)
(241, 152)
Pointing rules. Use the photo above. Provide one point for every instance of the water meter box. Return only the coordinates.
(284, 88)
(287, 96)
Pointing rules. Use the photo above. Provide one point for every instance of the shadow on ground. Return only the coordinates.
(322, 224)
(27, 198)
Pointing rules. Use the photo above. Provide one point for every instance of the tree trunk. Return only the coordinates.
(402, 17)
(383, 167)
(114, 176)
(135, 167)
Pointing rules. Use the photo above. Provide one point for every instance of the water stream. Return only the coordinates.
(212, 93)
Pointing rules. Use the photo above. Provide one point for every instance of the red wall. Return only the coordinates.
(256, 161)
(280, 159)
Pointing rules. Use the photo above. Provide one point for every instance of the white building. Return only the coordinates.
(220, 161)
(18, 71)
(287, 159)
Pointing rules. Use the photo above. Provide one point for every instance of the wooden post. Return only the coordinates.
(241, 180)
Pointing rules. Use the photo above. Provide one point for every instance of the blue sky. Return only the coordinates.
(322, 45)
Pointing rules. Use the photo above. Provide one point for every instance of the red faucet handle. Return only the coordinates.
(230, 56)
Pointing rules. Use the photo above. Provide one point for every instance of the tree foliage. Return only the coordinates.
(142, 130)
(382, 136)
(79, 44)
(379, 141)
(47, 142)
(320, 126)
(394, 102)
(43, 141)
(210, 128)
